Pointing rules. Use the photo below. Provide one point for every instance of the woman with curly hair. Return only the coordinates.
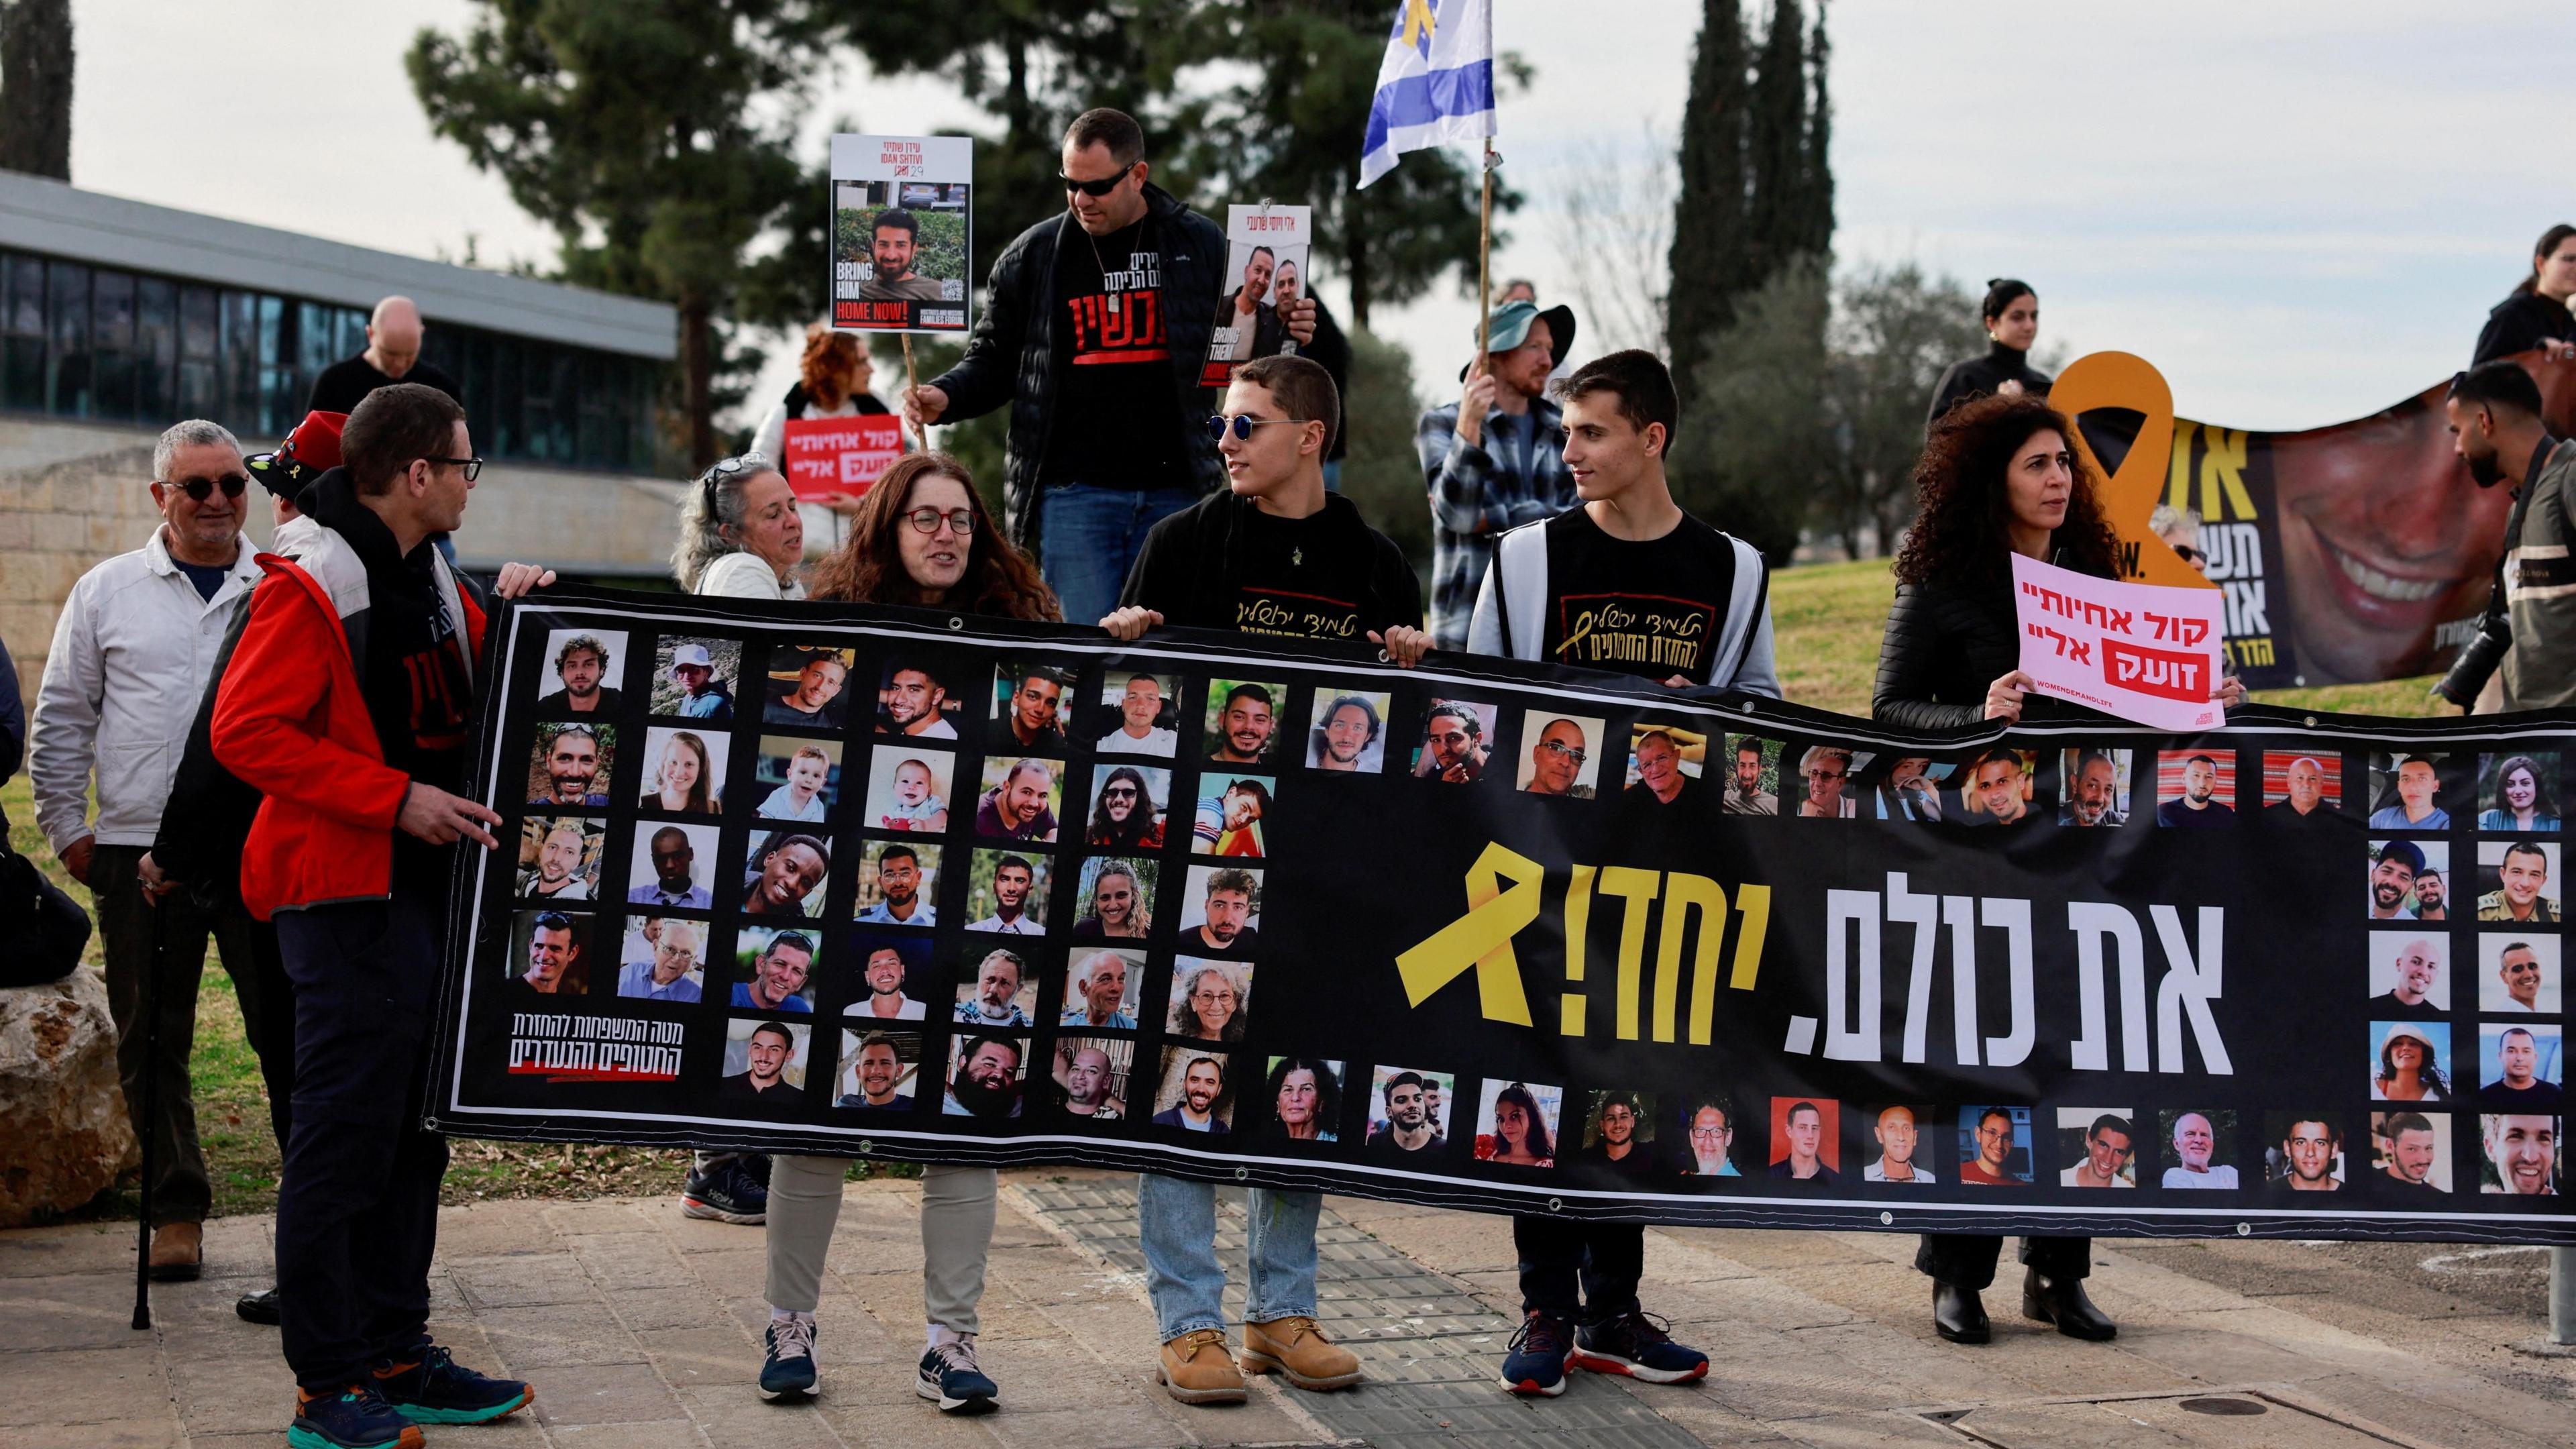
(831, 382)
(1124, 817)
(2407, 1069)
(1999, 476)
(921, 538)
(1305, 1100)
(1210, 1006)
(2522, 800)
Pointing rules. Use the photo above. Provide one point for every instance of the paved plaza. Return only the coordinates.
(641, 1330)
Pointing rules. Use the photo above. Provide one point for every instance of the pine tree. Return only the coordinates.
(1709, 212)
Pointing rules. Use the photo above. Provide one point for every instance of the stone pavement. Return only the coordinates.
(640, 1329)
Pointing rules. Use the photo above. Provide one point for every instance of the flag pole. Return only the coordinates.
(911, 384)
(1484, 260)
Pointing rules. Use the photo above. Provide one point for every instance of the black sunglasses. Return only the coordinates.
(2189, 554)
(1242, 425)
(554, 921)
(202, 489)
(1101, 187)
(473, 466)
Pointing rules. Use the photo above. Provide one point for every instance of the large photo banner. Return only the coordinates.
(917, 887)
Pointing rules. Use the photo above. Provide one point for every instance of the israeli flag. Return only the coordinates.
(1437, 83)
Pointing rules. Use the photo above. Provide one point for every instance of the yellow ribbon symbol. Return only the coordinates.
(1482, 938)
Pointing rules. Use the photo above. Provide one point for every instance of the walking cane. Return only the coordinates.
(151, 1110)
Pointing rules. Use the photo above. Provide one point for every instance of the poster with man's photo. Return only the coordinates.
(902, 233)
(1265, 274)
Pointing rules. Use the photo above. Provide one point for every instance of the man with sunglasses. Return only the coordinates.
(130, 658)
(348, 703)
(1100, 372)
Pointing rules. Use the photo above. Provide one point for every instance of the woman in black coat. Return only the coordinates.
(2536, 314)
(2011, 312)
(1998, 477)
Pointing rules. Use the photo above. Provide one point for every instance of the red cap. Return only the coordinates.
(315, 443)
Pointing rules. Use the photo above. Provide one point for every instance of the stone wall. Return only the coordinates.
(74, 494)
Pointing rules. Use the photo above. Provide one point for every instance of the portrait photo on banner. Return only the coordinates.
(1560, 754)
(2515, 881)
(880, 1070)
(902, 233)
(2522, 1065)
(1264, 276)
(1668, 760)
(1617, 1140)
(1921, 788)
(1221, 911)
(2408, 878)
(1707, 1125)
(2518, 791)
(1232, 814)
(1114, 898)
(988, 1074)
(1806, 1138)
(2302, 788)
(1403, 1113)
(696, 677)
(797, 779)
(773, 968)
(664, 958)
(1029, 705)
(784, 873)
(584, 675)
(896, 977)
(807, 686)
(1243, 721)
(671, 866)
(1138, 712)
(2099, 1146)
(2518, 973)
(1007, 891)
(1301, 1099)
(2095, 781)
(1349, 731)
(1993, 1144)
(684, 770)
(1827, 776)
(918, 694)
(1898, 1138)
(1195, 1089)
(1454, 743)
(570, 765)
(2303, 1152)
(1022, 798)
(909, 789)
(2411, 1153)
(1211, 1000)
(1999, 785)
(2197, 1147)
(549, 957)
(2521, 1154)
(994, 987)
(898, 883)
(2410, 974)
(2411, 791)
(1128, 803)
(1518, 1123)
(1092, 1075)
(2410, 1061)
(2196, 788)
(1103, 985)
(764, 1066)
(559, 857)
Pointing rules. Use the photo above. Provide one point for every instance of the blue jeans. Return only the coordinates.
(1177, 1220)
(1089, 537)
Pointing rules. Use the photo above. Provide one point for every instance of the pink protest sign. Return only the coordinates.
(826, 456)
(2144, 652)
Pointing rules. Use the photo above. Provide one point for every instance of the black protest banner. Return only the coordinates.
(819, 878)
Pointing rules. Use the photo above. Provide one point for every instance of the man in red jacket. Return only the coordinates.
(347, 704)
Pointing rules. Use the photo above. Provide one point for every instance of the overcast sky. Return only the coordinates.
(2300, 212)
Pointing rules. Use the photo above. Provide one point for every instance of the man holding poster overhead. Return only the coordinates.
(1101, 376)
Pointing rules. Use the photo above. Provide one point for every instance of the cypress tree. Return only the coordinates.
(1708, 261)
(1777, 142)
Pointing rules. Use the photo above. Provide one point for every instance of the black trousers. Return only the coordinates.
(181, 1192)
(357, 1210)
(1967, 1260)
(1559, 1254)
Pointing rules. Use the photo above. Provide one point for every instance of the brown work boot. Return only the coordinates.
(1196, 1369)
(178, 1252)
(1298, 1349)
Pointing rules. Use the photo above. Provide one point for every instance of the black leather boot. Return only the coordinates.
(260, 1307)
(1957, 1315)
(2061, 1301)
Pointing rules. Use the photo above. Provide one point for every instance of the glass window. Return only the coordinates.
(67, 370)
(156, 348)
(22, 316)
(112, 335)
(201, 389)
(281, 399)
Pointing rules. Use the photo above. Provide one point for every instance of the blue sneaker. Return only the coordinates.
(1536, 1363)
(728, 1192)
(356, 1417)
(787, 1370)
(949, 1375)
(436, 1389)
(1637, 1345)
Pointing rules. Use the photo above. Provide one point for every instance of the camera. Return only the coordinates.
(2477, 661)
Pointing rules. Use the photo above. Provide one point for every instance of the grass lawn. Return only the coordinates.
(1828, 618)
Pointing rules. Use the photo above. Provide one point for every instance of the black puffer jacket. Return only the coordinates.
(1011, 357)
(1946, 644)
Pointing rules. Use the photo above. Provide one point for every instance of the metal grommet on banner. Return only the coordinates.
(866, 1146)
(956, 623)
(1747, 706)
(1242, 1174)
(2244, 1230)
(1556, 1204)
(1887, 1220)
(2311, 721)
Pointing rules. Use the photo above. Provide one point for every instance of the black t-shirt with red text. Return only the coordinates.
(1654, 608)
(1222, 563)
(1113, 424)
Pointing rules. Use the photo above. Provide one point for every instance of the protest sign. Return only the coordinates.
(2141, 652)
(902, 233)
(829, 456)
(2063, 977)
(1265, 271)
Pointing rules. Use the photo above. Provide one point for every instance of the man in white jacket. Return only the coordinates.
(131, 654)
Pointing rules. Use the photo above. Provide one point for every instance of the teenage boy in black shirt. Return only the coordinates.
(1272, 554)
(1627, 582)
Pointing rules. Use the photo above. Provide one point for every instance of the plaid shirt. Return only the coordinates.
(1475, 496)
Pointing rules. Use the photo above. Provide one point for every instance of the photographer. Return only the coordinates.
(2494, 414)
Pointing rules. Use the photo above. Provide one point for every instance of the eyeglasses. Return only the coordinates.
(1242, 424)
(2189, 554)
(1101, 187)
(1571, 753)
(927, 520)
(473, 466)
(1119, 792)
(202, 489)
(724, 468)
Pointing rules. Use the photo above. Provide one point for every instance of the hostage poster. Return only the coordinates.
(902, 233)
(904, 885)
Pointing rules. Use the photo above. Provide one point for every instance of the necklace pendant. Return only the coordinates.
(1296, 556)
(1113, 304)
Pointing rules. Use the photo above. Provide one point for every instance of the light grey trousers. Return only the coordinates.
(957, 1206)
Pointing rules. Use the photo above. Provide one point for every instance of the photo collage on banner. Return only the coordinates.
(1022, 890)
